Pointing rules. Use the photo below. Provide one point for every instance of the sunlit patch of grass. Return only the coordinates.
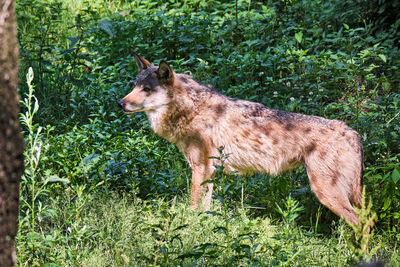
(127, 231)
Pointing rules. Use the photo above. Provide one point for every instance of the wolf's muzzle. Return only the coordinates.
(121, 104)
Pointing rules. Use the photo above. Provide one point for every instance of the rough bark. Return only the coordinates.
(11, 142)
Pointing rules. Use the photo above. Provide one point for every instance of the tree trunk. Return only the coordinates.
(11, 142)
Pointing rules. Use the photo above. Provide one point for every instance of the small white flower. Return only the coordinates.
(275, 94)
(292, 99)
(321, 90)
(309, 100)
(310, 93)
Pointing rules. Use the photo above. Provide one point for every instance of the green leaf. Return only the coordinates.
(55, 179)
(383, 57)
(107, 26)
(387, 203)
(90, 159)
(220, 229)
(73, 40)
(395, 176)
(299, 36)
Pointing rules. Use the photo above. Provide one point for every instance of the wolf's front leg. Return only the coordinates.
(201, 193)
(208, 196)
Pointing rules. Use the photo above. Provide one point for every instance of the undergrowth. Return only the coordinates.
(100, 189)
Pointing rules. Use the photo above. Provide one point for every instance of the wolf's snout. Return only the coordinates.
(121, 104)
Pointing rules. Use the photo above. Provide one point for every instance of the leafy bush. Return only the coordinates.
(336, 59)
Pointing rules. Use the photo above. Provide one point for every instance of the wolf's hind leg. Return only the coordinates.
(331, 189)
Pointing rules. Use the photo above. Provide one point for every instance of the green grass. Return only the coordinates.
(126, 231)
(106, 191)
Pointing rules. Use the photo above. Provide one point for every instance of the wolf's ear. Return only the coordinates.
(165, 73)
(141, 62)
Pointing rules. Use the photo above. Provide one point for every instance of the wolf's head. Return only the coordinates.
(150, 92)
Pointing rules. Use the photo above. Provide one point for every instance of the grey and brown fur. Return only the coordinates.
(198, 120)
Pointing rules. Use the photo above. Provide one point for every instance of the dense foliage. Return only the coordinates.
(101, 189)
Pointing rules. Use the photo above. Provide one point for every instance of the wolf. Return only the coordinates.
(199, 120)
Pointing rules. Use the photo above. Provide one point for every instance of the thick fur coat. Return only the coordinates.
(199, 120)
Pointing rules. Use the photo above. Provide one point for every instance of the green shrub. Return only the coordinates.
(336, 59)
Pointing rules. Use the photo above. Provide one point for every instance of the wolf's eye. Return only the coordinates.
(146, 89)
